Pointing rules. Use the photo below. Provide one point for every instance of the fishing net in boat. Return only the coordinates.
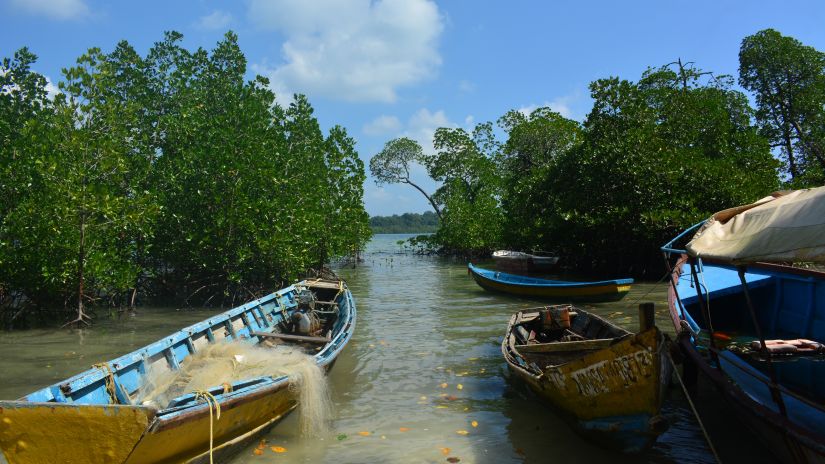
(225, 363)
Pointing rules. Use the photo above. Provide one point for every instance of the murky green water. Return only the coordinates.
(423, 367)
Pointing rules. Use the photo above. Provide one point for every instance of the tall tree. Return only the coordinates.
(392, 166)
(788, 80)
(465, 165)
(535, 142)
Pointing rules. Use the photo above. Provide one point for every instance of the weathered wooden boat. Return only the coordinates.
(607, 382)
(524, 263)
(94, 417)
(755, 325)
(552, 290)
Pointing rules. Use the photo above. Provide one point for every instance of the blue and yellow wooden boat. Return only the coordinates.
(552, 290)
(753, 324)
(606, 382)
(94, 417)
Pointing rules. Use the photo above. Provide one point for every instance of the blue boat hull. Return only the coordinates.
(550, 290)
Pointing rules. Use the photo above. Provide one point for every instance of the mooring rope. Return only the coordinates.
(211, 401)
(695, 412)
(652, 287)
(109, 381)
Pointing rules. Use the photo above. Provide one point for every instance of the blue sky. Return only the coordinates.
(387, 68)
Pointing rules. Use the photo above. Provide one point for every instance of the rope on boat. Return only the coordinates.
(693, 408)
(212, 402)
(109, 381)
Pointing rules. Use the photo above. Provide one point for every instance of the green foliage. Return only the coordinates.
(465, 165)
(168, 174)
(534, 145)
(653, 157)
(788, 81)
(406, 223)
(657, 155)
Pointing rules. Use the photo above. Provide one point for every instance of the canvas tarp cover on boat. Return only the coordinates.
(785, 227)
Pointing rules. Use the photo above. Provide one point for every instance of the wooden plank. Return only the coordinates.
(556, 347)
(296, 338)
(325, 284)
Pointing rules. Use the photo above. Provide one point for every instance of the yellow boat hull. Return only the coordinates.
(59, 432)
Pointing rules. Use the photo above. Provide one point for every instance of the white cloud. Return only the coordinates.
(469, 121)
(355, 50)
(54, 9)
(51, 89)
(382, 125)
(216, 20)
(422, 126)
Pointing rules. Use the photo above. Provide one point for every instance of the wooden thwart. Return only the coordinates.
(566, 346)
(295, 338)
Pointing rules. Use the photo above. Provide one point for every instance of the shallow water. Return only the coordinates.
(422, 379)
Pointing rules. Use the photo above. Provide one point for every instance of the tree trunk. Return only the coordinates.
(429, 198)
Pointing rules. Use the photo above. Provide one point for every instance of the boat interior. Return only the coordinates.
(554, 335)
(310, 315)
(789, 306)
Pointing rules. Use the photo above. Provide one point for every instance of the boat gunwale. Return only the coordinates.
(95, 375)
(511, 324)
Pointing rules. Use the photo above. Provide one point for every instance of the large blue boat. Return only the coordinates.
(753, 323)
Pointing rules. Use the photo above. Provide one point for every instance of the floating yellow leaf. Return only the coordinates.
(278, 449)
(441, 407)
(462, 432)
(460, 387)
(403, 429)
(372, 346)
(382, 342)
(364, 434)
(423, 398)
(262, 444)
(474, 423)
(443, 385)
(445, 451)
(383, 437)
(258, 452)
(473, 359)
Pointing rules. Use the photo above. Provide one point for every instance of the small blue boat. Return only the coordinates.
(99, 416)
(753, 324)
(551, 290)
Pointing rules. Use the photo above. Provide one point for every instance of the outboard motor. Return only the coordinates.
(305, 321)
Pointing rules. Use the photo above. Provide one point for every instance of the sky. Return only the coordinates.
(390, 68)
